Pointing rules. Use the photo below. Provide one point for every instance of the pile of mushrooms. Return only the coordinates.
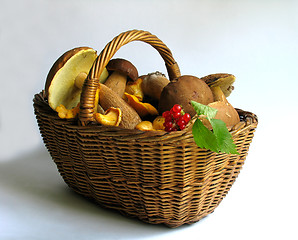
(123, 90)
(130, 101)
(221, 86)
(132, 95)
(142, 99)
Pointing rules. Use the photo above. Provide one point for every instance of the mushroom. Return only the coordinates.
(225, 111)
(99, 109)
(80, 79)
(120, 70)
(223, 80)
(158, 123)
(107, 98)
(135, 88)
(60, 87)
(112, 117)
(182, 91)
(63, 112)
(145, 126)
(153, 84)
(143, 109)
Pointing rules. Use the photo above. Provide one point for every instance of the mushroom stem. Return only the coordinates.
(117, 82)
(108, 98)
(218, 94)
(81, 77)
(79, 80)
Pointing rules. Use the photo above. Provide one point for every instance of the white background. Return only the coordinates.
(257, 41)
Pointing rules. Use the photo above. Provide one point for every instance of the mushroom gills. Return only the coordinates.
(224, 80)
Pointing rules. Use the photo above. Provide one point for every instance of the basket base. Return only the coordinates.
(154, 220)
(159, 212)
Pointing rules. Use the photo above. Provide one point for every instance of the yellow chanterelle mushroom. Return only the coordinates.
(112, 117)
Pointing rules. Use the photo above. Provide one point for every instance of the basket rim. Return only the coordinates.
(248, 120)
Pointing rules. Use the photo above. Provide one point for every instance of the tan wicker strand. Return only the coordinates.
(91, 84)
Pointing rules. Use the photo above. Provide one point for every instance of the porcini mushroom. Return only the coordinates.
(112, 117)
(225, 111)
(107, 98)
(153, 84)
(182, 91)
(120, 71)
(80, 79)
(224, 80)
(60, 87)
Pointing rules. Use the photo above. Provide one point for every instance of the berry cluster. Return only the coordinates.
(175, 119)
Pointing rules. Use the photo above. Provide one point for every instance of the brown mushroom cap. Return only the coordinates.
(153, 84)
(182, 91)
(123, 66)
(226, 113)
(223, 80)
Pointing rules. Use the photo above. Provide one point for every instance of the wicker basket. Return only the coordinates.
(155, 176)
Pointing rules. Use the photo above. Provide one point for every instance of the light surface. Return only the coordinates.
(257, 41)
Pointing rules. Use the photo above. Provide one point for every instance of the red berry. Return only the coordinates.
(186, 117)
(166, 114)
(180, 118)
(175, 119)
(168, 124)
(176, 115)
(174, 129)
(168, 119)
(181, 123)
(177, 108)
(168, 129)
(182, 127)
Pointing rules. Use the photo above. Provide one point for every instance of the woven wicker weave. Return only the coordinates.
(155, 176)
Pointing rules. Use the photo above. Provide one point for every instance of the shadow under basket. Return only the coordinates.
(158, 177)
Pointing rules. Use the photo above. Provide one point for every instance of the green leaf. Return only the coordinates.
(203, 137)
(220, 140)
(223, 137)
(202, 109)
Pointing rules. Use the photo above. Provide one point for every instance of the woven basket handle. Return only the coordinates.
(91, 83)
